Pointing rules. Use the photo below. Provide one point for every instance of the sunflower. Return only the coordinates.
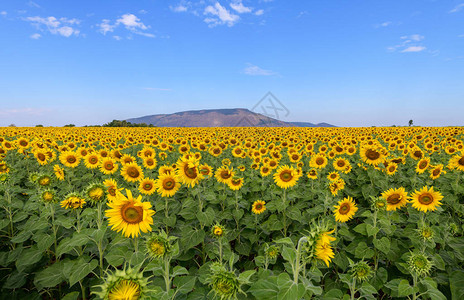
(95, 192)
(147, 186)
(70, 159)
(224, 174)
(396, 198)
(111, 189)
(108, 166)
(149, 162)
(41, 156)
(422, 165)
(166, 170)
(258, 207)
(318, 161)
(372, 155)
(457, 162)
(132, 172)
(436, 171)
(340, 164)
(167, 185)
(391, 168)
(48, 196)
(265, 170)
(44, 180)
(323, 250)
(235, 183)
(345, 210)
(217, 231)
(187, 171)
(312, 174)
(92, 161)
(205, 170)
(73, 200)
(286, 177)
(336, 186)
(59, 172)
(127, 284)
(129, 215)
(426, 199)
(333, 176)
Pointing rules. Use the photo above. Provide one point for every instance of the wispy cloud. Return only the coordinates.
(414, 49)
(239, 7)
(457, 8)
(130, 21)
(61, 26)
(259, 12)
(156, 89)
(35, 36)
(257, 71)
(220, 15)
(179, 8)
(33, 4)
(410, 43)
(3, 13)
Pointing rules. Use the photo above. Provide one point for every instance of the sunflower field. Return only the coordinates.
(232, 213)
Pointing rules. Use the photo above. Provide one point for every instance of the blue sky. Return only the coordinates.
(348, 63)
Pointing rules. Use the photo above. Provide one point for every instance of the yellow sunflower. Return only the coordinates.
(312, 174)
(340, 164)
(224, 174)
(457, 162)
(333, 176)
(372, 155)
(73, 201)
(318, 161)
(129, 215)
(150, 163)
(167, 185)
(426, 199)
(422, 165)
(391, 168)
(396, 198)
(235, 183)
(108, 166)
(92, 161)
(345, 210)
(132, 172)
(436, 171)
(187, 171)
(205, 170)
(286, 177)
(258, 207)
(111, 189)
(147, 186)
(70, 159)
(59, 172)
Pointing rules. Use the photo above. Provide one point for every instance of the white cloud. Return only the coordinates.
(385, 24)
(414, 37)
(60, 26)
(143, 12)
(3, 13)
(35, 36)
(257, 71)
(105, 26)
(33, 4)
(461, 35)
(221, 16)
(179, 8)
(240, 8)
(457, 8)
(414, 49)
(130, 21)
(259, 12)
(117, 37)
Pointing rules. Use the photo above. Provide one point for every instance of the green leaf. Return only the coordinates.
(438, 262)
(265, 288)
(81, 269)
(15, 280)
(184, 284)
(333, 294)
(457, 284)
(383, 244)
(368, 289)
(362, 251)
(286, 240)
(191, 238)
(71, 296)
(67, 244)
(21, 237)
(289, 254)
(178, 270)
(361, 228)
(49, 277)
(245, 276)
(28, 257)
(371, 230)
(432, 290)
(404, 289)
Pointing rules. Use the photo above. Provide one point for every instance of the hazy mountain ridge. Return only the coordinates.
(234, 117)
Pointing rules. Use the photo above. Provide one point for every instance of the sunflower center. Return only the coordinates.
(294, 156)
(394, 199)
(341, 163)
(258, 206)
(169, 184)
(41, 156)
(461, 161)
(436, 172)
(71, 159)
(132, 214)
(344, 208)
(319, 161)
(225, 174)
(157, 248)
(133, 172)
(112, 190)
(204, 171)
(286, 176)
(109, 166)
(147, 186)
(372, 154)
(93, 160)
(417, 153)
(423, 165)
(426, 199)
(190, 172)
(391, 168)
(149, 162)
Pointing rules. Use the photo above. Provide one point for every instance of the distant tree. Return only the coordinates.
(39, 125)
(124, 123)
(12, 125)
(69, 125)
(410, 122)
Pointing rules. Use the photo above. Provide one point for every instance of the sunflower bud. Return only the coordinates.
(159, 245)
(95, 192)
(419, 264)
(361, 271)
(224, 283)
(48, 196)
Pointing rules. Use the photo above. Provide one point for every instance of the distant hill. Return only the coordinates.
(234, 117)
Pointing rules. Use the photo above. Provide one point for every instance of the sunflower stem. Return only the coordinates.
(284, 202)
(82, 290)
(167, 279)
(353, 289)
(52, 212)
(296, 266)
(220, 250)
(166, 213)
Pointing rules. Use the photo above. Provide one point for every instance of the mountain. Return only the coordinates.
(307, 124)
(234, 117)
